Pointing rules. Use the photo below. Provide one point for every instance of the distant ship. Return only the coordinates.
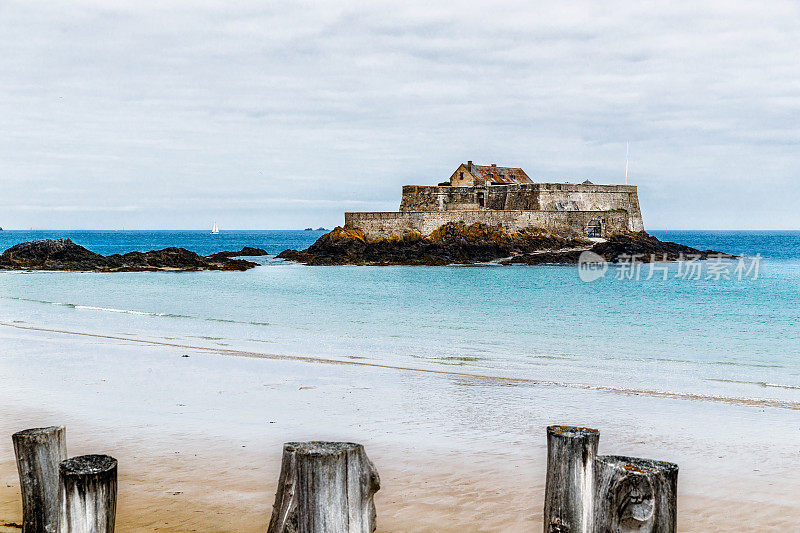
(214, 229)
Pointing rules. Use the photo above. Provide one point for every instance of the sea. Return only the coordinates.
(724, 329)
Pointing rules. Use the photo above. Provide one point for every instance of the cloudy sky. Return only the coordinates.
(284, 115)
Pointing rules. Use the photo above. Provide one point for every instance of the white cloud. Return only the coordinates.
(312, 108)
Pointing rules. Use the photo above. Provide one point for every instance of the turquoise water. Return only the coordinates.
(733, 338)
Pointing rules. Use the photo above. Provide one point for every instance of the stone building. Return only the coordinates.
(507, 197)
(467, 175)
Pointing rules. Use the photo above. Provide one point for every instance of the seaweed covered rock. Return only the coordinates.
(246, 251)
(647, 248)
(63, 254)
(49, 253)
(168, 258)
(174, 259)
(454, 242)
(624, 247)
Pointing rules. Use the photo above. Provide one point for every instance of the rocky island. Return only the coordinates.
(63, 254)
(481, 214)
(489, 213)
(458, 243)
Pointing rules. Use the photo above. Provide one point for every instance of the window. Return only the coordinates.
(595, 229)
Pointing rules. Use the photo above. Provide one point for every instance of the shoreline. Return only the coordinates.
(743, 401)
(485, 438)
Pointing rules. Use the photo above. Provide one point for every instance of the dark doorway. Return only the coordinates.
(480, 199)
(595, 228)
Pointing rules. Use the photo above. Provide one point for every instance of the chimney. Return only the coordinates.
(469, 166)
(494, 164)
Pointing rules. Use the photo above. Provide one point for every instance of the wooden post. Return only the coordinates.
(635, 494)
(569, 486)
(325, 487)
(39, 451)
(88, 494)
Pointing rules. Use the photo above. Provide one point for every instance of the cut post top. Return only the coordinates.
(637, 465)
(316, 447)
(37, 432)
(87, 465)
(572, 431)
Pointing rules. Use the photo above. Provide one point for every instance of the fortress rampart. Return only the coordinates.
(506, 197)
(387, 224)
(526, 197)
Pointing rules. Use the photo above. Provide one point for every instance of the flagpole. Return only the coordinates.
(627, 151)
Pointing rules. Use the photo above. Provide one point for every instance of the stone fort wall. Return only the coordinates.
(544, 197)
(387, 224)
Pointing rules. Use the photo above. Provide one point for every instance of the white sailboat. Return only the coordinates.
(214, 229)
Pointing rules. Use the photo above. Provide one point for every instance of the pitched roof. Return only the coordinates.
(499, 174)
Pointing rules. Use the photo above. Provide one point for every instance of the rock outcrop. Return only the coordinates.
(458, 243)
(246, 251)
(37, 254)
(454, 242)
(63, 254)
(618, 248)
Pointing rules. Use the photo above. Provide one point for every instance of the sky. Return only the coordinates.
(281, 115)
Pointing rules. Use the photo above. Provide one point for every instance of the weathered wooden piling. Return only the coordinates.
(325, 487)
(635, 495)
(569, 487)
(39, 452)
(88, 494)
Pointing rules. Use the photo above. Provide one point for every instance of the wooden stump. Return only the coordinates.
(39, 451)
(635, 495)
(569, 486)
(325, 487)
(88, 494)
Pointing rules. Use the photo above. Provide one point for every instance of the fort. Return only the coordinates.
(506, 197)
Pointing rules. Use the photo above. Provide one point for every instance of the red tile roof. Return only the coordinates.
(499, 174)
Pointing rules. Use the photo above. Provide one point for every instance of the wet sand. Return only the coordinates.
(199, 438)
(201, 489)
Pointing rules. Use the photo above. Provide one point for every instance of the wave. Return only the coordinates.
(764, 384)
(135, 312)
(474, 379)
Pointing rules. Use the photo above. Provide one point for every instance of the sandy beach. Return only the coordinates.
(199, 449)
